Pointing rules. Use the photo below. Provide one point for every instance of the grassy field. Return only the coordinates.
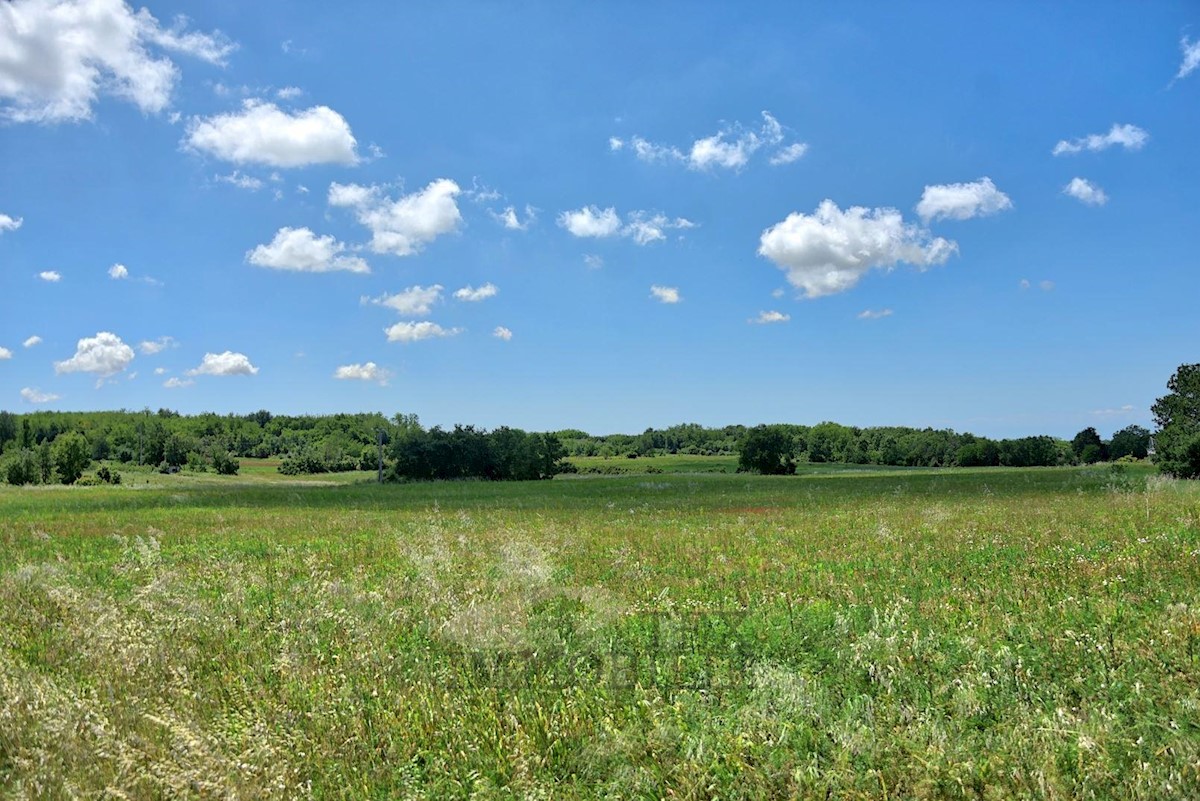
(859, 634)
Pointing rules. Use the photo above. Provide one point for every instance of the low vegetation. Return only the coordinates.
(855, 633)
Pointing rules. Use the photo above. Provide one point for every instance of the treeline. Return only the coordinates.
(882, 445)
(170, 442)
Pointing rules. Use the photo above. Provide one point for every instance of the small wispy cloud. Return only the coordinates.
(770, 317)
(665, 294)
(874, 314)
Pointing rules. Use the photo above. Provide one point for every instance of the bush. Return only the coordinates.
(108, 476)
(21, 467)
(225, 464)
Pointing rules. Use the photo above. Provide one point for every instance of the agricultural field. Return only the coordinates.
(988, 633)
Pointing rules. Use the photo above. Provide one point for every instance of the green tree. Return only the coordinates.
(20, 467)
(1177, 415)
(1130, 441)
(1088, 446)
(72, 455)
(767, 450)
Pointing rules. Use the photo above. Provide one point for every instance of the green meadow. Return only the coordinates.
(690, 633)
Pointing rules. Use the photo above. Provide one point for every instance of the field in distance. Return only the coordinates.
(846, 633)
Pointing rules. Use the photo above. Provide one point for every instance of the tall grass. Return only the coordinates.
(915, 634)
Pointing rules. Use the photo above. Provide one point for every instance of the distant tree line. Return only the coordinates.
(778, 449)
(43, 447)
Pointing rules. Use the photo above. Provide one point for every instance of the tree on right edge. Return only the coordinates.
(1177, 416)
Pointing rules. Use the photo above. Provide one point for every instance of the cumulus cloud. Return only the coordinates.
(1127, 136)
(729, 148)
(363, 372)
(645, 228)
(53, 276)
(261, 133)
(227, 363)
(642, 227)
(102, 355)
(591, 221)
(178, 383)
(5, 353)
(786, 155)
(471, 294)
(8, 223)
(416, 301)
(665, 294)
(509, 219)
(502, 333)
(1191, 57)
(962, 201)
(150, 347)
(33, 395)
(405, 226)
(768, 317)
(118, 272)
(60, 55)
(830, 250)
(415, 332)
(1086, 192)
(240, 180)
(300, 250)
(874, 314)
(33, 340)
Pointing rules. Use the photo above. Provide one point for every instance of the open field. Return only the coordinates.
(992, 633)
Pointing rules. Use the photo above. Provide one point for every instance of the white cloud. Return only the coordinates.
(1118, 412)
(263, 134)
(1046, 286)
(472, 294)
(509, 219)
(1085, 191)
(1024, 283)
(786, 155)
(9, 223)
(33, 340)
(962, 201)
(5, 354)
(118, 272)
(103, 355)
(160, 371)
(363, 372)
(1127, 136)
(240, 180)
(405, 226)
(730, 148)
(300, 250)
(150, 347)
(665, 294)
(32, 395)
(178, 383)
(768, 317)
(53, 276)
(415, 301)
(828, 251)
(289, 92)
(1191, 57)
(502, 333)
(414, 332)
(643, 227)
(593, 262)
(874, 314)
(227, 363)
(60, 55)
(591, 221)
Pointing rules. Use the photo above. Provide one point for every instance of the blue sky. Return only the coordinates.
(606, 216)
